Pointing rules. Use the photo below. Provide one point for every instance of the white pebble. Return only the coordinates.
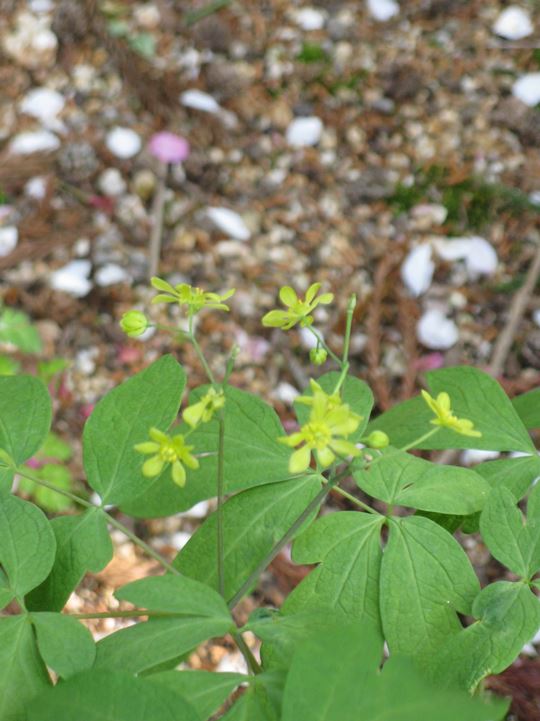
(310, 18)
(536, 317)
(304, 132)
(112, 183)
(110, 274)
(229, 223)
(73, 278)
(123, 142)
(527, 89)
(36, 188)
(38, 141)
(232, 663)
(199, 510)
(45, 105)
(473, 455)
(479, 255)
(285, 392)
(428, 214)
(382, 10)
(436, 331)
(307, 338)
(417, 269)
(179, 540)
(513, 23)
(9, 237)
(200, 101)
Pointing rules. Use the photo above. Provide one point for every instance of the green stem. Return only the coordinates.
(321, 341)
(351, 305)
(135, 613)
(410, 445)
(220, 485)
(110, 519)
(252, 663)
(355, 500)
(198, 351)
(423, 438)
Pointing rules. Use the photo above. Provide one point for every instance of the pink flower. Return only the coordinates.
(168, 147)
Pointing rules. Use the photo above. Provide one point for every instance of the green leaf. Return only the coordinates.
(145, 645)
(46, 498)
(527, 407)
(82, 544)
(54, 447)
(426, 578)
(143, 43)
(27, 544)
(261, 701)
(348, 547)
(64, 643)
(6, 594)
(204, 691)
(253, 522)
(503, 530)
(25, 418)
(175, 594)
(474, 395)
(22, 672)
(354, 392)
(123, 418)
(515, 474)
(509, 616)
(252, 457)
(110, 695)
(399, 478)
(16, 328)
(8, 366)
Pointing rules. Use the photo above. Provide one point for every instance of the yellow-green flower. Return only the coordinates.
(134, 323)
(194, 298)
(299, 311)
(377, 439)
(165, 450)
(203, 410)
(325, 433)
(445, 418)
(321, 400)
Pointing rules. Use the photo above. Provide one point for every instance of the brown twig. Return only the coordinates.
(407, 316)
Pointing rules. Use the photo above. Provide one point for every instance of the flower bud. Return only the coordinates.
(318, 356)
(134, 323)
(377, 439)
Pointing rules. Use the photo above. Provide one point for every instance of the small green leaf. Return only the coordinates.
(120, 420)
(252, 457)
(261, 701)
(426, 578)
(16, 328)
(27, 544)
(25, 419)
(348, 547)
(22, 672)
(109, 695)
(253, 522)
(203, 690)
(83, 544)
(399, 478)
(145, 645)
(354, 392)
(503, 530)
(64, 643)
(515, 474)
(474, 395)
(174, 594)
(527, 407)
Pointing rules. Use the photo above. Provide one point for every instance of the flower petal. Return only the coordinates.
(287, 296)
(325, 457)
(179, 474)
(325, 298)
(146, 447)
(275, 319)
(299, 460)
(164, 299)
(153, 467)
(160, 284)
(157, 435)
(312, 292)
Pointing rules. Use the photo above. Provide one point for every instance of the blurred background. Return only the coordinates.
(385, 148)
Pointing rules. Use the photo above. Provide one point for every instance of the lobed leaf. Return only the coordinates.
(515, 474)
(527, 407)
(64, 643)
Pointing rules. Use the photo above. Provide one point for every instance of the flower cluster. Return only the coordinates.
(330, 423)
(444, 417)
(203, 410)
(194, 298)
(165, 450)
(299, 311)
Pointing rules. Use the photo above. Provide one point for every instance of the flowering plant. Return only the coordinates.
(387, 572)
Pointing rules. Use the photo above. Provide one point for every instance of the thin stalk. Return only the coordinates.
(220, 488)
(252, 663)
(423, 438)
(322, 342)
(110, 519)
(355, 500)
(288, 536)
(198, 351)
(351, 305)
(154, 250)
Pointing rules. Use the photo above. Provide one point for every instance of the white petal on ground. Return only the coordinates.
(303, 132)
(474, 455)
(229, 223)
(310, 18)
(110, 274)
(536, 317)
(44, 104)
(479, 255)
(9, 237)
(200, 101)
(382, 10)
(38, 141)
(73, 278)
(123, 142)
(428, 214)
(527, 89)
(514, 23)
(436, 331)
(417, 269)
